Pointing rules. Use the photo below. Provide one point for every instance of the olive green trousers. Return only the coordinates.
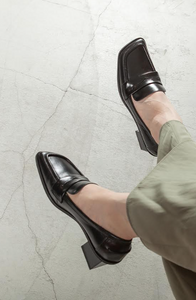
(162, 208)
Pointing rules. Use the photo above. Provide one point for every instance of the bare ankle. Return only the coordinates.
(155, 128)
(122, 211)
(160, 120)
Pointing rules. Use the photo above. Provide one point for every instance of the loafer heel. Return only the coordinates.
(92, 259)
(140, 140)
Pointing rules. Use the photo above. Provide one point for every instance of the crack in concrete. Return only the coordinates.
(98, 21)
(178, 4)
(54, 110)
(64, 5)
(36, 78)
(104, 103)
(34, 235)
(108, 28)
(42, 128)
(21, 114)
(9, 201)
(6, 151)
(41, 269)
(118, 112)
(86, 93)
(35, 146)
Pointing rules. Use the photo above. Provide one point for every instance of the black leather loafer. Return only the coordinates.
(59, 176)
(137, 77)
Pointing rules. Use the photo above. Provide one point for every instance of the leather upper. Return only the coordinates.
(144, 80)
(137, 70)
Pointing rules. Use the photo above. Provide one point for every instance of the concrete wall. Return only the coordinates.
(58, 92)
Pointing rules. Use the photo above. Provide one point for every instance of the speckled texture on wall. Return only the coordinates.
(58, 92)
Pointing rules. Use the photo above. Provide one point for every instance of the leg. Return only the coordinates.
(107, 208)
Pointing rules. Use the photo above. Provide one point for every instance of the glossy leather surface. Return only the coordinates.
(138, 70)
(59, 176)
(137, 76)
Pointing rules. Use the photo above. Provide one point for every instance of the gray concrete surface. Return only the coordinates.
(58, 92)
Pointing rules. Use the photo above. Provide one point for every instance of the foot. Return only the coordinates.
(155, 110)
(106, 208)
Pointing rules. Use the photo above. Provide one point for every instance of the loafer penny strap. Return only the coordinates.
(64, 183)
(144, 80)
